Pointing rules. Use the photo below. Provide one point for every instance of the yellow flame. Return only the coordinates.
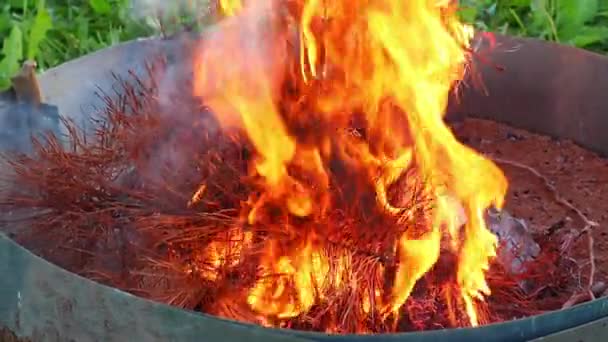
(231, 7)
(393, 60)
(307, 268)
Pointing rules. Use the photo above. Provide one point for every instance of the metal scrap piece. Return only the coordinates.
(516, 243)
(26, 86)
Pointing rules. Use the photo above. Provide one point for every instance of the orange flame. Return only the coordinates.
(392, 61)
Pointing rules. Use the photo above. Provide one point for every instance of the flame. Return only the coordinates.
(307, 267)
(231, 7)
(390, 64)
(226, 251)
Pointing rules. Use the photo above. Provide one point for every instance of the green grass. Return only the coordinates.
(581, 23)
(55, 31)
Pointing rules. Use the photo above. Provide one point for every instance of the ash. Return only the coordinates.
(517, 247)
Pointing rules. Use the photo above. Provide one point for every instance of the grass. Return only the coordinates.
(581, 23)
(52, 32)
(55, 31)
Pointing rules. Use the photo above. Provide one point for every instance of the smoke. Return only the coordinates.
(244, 58)
(20, 121)
(232, 48)
(226, 56)
(142, 8)
(157, 13)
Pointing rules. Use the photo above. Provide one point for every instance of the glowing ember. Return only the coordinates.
(354, 89)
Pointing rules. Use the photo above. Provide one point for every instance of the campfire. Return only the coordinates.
(303, 178)
(365, 105)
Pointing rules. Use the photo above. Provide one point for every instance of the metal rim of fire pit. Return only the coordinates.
(547, 88)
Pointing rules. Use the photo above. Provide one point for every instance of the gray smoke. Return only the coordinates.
(20, 121)
(156, 12)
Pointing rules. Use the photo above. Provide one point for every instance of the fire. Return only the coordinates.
(352, 92)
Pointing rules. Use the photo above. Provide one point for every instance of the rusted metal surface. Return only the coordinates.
(77, 87)
(543, 87)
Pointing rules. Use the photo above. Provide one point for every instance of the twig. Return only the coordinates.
(588, 223)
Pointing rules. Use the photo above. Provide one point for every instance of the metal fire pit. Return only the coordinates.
(547, 88)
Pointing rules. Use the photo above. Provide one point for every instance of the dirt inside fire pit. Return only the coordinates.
(580, 177)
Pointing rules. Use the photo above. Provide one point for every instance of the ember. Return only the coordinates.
(313, 188)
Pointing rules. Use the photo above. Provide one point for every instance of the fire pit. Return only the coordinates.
(44, 300)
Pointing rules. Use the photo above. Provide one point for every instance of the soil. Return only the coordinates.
(580, 177)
